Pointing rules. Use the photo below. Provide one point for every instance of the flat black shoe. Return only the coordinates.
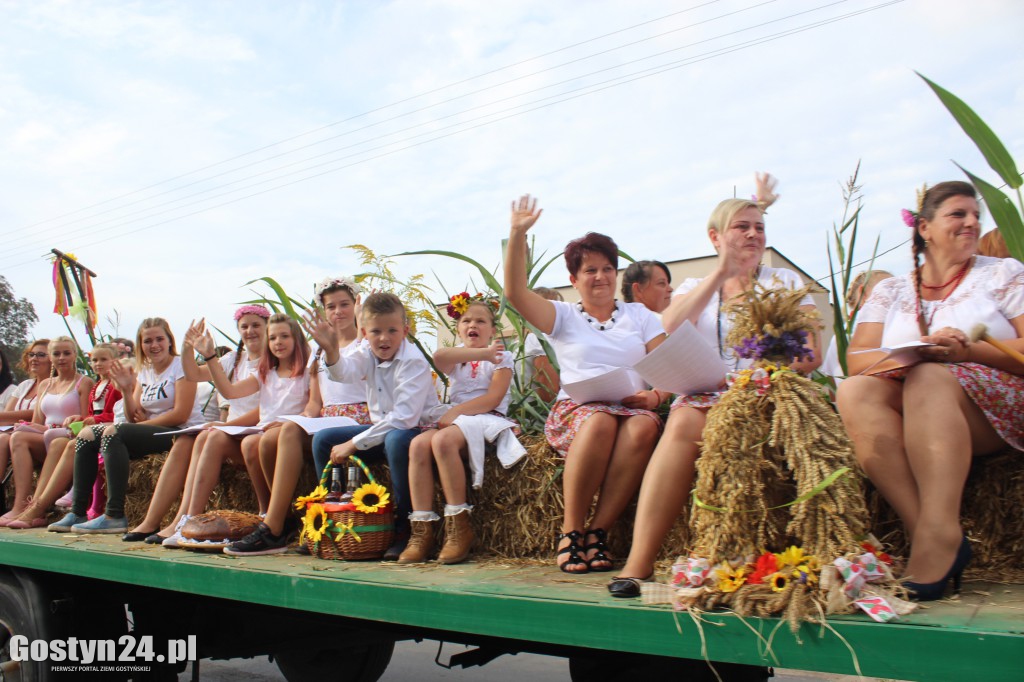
(154, 539)
(136, 536)
(627, 588)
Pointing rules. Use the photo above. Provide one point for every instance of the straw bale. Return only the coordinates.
(991, 516)
(233, 492)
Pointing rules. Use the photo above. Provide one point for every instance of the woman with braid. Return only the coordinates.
(917, 426)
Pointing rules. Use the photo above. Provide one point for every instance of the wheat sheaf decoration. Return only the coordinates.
(779, 521)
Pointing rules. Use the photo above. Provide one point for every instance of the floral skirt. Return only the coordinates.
(567, 417)
(357, 411)
(700, 400)
(999, 394)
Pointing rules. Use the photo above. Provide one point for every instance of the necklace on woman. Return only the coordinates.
(474, 367)
(597, 324)
(955, 281)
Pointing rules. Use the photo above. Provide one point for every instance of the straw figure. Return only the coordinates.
(777, 495)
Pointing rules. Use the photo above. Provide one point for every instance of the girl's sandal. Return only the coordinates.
(573, 549)
(600, 549)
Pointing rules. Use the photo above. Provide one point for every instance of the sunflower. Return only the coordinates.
(318, 495)
(730, 580)
(779, 581)
(793, 556)
(371, 498)
(314, 523)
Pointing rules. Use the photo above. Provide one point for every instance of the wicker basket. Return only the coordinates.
(362, 536)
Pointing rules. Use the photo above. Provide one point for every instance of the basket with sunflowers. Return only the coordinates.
(362, 527)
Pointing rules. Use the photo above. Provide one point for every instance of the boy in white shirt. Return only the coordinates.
(400, 396)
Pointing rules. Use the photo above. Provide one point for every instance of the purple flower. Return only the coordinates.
(787, 346)
(909, 219)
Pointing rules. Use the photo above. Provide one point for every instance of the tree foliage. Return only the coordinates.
(17, 317)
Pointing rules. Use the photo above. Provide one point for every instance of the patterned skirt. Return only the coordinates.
(699, 400)
(357, 411)
(567, 417)
(999, 394)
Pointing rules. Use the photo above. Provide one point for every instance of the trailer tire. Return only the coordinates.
(362, 663)
(23, 611)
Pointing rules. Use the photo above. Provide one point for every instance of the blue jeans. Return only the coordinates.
(395, 448)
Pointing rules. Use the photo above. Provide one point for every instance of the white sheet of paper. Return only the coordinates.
(685, 363)
(610, 387)
(7, 428)
(230, 430)
(313, 424)
(179, 432)
(905, 354)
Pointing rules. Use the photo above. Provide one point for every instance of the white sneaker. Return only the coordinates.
(175, 538)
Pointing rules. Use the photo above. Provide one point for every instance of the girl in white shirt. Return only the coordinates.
(178, 471)
(160, 399)
(480, 373)
(282, 382)
(339, 298)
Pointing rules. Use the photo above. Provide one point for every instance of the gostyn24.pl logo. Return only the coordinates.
(126, 649)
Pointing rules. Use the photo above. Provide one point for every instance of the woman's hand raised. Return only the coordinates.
(525, 213)
(316, 325)
(123, 377)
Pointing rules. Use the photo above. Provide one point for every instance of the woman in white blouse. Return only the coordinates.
(606, 445)
(916, 427)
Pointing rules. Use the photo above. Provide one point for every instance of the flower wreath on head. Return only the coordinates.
(459, 303)
(910, 218)
(252, 310)
(342, 282)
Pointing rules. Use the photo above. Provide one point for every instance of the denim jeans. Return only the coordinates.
(395, 448)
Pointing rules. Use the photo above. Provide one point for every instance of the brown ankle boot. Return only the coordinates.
(458, 539)
(421, 543)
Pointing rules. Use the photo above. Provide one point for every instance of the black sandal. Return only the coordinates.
(573, 549)
(600, 554)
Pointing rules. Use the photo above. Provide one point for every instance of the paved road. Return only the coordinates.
(414, 662)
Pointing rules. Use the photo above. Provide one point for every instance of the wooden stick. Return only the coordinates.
(71, 261)
(980, 333)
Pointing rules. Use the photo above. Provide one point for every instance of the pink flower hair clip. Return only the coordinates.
(252, 310)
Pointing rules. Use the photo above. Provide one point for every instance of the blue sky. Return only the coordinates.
(108, 111)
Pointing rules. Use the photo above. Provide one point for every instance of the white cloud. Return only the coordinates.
(108, 98)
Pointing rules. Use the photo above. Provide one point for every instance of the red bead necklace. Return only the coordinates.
(955, 281)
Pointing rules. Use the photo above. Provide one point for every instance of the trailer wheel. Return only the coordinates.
(363, 663)
(23, 611)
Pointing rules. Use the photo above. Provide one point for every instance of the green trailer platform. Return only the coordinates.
(249, 606)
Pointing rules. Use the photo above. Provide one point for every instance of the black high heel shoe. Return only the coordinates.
(935, 590)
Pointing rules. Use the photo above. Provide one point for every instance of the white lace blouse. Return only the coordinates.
(992, 293)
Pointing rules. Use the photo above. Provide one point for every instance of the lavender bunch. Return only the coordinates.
(786, 347)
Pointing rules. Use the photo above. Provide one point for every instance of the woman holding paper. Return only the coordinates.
(736, 229)
(606, 444)
(916, 428)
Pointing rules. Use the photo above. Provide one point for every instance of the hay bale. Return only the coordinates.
(233, 492)
(518, 511)
(990, 513)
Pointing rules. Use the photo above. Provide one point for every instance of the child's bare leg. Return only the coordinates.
(50, 462)
(251, 457)
(449, 452)
(26, 447)
(268, 453)
(57, 482)
(219, 447)
(421, 471)
(293, 444)
(169, 484)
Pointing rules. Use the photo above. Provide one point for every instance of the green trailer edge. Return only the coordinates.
(970, 639)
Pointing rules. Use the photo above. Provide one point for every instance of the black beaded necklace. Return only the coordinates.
(595, 323)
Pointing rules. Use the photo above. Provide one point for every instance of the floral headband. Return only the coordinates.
(342, 282)
(252, 310)
(910, 218)
(459, 303)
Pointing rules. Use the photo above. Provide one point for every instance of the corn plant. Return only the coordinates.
(1006, 216)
